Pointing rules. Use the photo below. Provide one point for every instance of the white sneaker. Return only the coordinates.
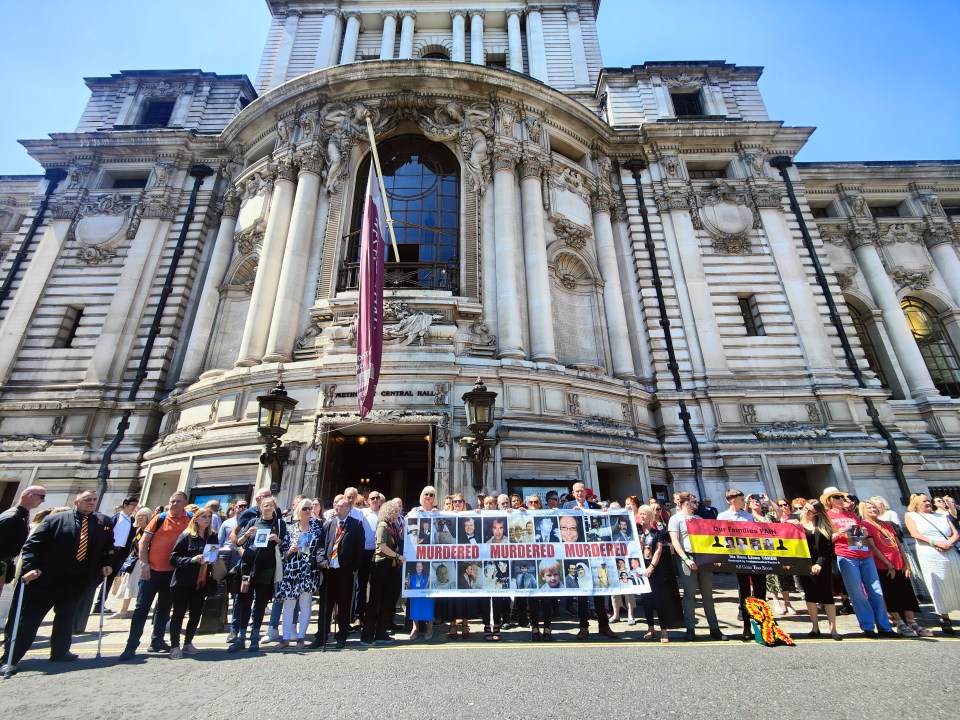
(273, 634)
(907, 631)
(176, 654)
(631, 621)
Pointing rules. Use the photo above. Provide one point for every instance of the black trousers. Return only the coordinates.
(385, 588)
(541, 609)
(185, 599)
(363, 581)
(253, 602)
(599, 604)
(158, 586)
(499, 612)
(750, 586)
(119, 556)
(38, 600)
(339, 596)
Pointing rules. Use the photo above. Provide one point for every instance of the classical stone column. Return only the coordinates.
(329, 35)
(210, 295)
(459, 35)
(612, 292)
(811, 326)
(578, 53)
(406, 34)
(284, 327)
(885, 296)
(514, 40)
(477, 56)
(351, 37)
(536, 49)
(943, 250)
(285, 48)
(509, 316)
(539, 304)
(389, 34)
(488, 245)
(264, 296)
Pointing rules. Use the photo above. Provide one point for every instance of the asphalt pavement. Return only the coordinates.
(627, 677)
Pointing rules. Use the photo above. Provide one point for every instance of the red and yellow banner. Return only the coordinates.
(749, 547)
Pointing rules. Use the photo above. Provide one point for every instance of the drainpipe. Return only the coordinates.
(635, 167)
(54, 177)
(198, 173)
(781, 163)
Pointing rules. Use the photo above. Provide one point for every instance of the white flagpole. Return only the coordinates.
(383, 189)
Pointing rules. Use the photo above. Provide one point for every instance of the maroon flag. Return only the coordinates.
(370, 322)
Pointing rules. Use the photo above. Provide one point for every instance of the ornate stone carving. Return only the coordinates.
(767, 197)
(285, 127)
(931, 204)
(231, 202)
(507, 117)
(58, 423)
(23, 444)
(573, 403)
(858, 206)
(900, 233)
(162, 89)
(412, 325)
(813, 413)
(534, 128)
(938, 235)
(790, 432)
(250, 238)
(673, 200)
(329, 396)
(755, 161)
(572, 180)
(407, 417)
(158, 208)
(845, 277)
(605, 426)
(307, 339)
(308, 122)
(726, 215)
(748, 412)
(627, 413)
(77, 174)
(571, 233)
(286, 169)
(94, 255)
(184, 435)
(482, 342)
(101, 227)
(441, 393)
(161, 173)
(684, 81)
(671, 165)
(914, 279)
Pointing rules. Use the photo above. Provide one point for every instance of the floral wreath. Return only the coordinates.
(771, 634)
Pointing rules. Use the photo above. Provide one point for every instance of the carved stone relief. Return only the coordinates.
(727, 215)
(571, 233)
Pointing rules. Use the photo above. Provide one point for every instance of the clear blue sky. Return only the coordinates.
(878, 78)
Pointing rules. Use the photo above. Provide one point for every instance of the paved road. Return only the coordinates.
(627, 678)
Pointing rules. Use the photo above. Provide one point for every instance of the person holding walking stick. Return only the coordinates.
(66, 553)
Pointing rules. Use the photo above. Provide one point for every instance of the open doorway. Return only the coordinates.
(397, 465)
(806, 481)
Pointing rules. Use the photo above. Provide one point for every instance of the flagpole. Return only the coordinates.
(383, 189)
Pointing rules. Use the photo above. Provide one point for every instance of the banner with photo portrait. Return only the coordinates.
(749, 547)
(523, 553)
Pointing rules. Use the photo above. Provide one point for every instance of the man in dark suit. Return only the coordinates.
(580, 502)
(65, 555)
(340, 554)
(14, 529)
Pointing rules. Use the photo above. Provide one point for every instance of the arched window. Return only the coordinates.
(938, 352)
(422, 179)
(866, 342)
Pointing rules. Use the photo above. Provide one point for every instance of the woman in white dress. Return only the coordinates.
(938, 558)
(128, 584)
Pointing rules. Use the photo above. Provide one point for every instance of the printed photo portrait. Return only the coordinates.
(621, 564)
(521, 528)
(626, 581)
(489, 576)
(468, 575)
(754, 543)
(413, 530)
(730, 543)
(442, 575)
(603, 573)
(503, 575)
(620, 528)
(495, 529)
(741, 543)
(571, 528)
(524, 575)
(768, 544)
(445, 531)
(546, 529)
(551, 575)
(418, 575)
(425, 537)
(468, 532)
(598, 528)
(635, 565)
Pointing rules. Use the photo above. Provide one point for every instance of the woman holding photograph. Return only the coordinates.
(128, 586)
(301, 576)
(192, 582)
(259, 570)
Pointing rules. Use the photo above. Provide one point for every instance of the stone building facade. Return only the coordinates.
(628, 256)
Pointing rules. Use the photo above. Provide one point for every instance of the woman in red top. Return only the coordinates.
(891, 561)
(855, 552)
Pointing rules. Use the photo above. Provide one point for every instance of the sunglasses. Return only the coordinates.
(429, 494)
(42, 497)
(458, 502)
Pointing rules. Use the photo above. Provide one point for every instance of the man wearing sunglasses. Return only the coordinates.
(14, 528)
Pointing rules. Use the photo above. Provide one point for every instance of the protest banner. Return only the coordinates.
(529, 553)
(749, 547)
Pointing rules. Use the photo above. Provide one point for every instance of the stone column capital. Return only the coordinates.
(389, 13)
(459, 12)
(408, 14)
(474, 12)
(519, 12)
(352, 14)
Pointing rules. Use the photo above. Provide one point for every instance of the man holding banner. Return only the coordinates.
(750, 584)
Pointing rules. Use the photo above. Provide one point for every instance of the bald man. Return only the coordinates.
(15, 527)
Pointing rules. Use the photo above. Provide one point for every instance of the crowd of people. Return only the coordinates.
(348, 560)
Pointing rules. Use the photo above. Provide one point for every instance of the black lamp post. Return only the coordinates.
(276, 410)
(478, 405)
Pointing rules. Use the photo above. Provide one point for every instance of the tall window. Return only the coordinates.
(423, 189)
(686, 104)
(750, 311)
(869, 349)
(157, 113)
(938, 351)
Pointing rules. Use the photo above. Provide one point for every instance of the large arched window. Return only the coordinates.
(866, 342)
(938, 352)
(422, 179)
